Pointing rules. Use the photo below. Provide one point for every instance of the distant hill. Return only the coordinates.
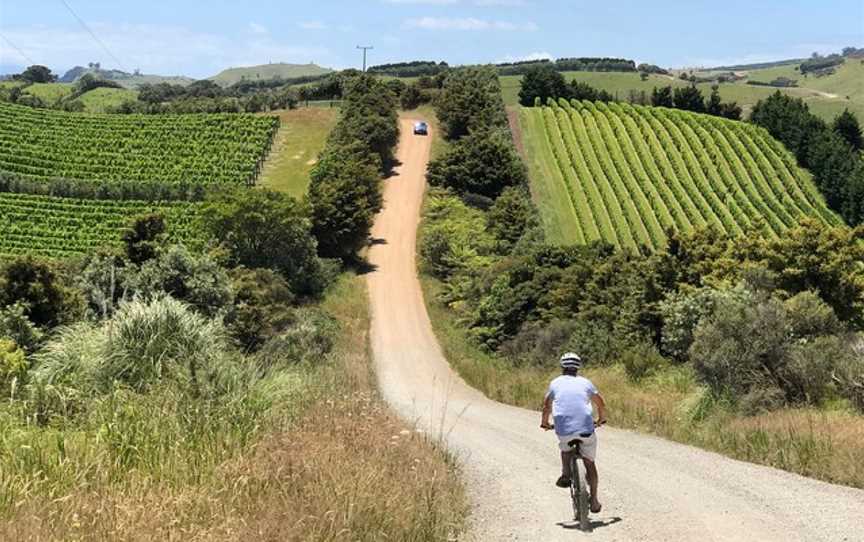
(267, 71)
(758, 66)
(128, 80)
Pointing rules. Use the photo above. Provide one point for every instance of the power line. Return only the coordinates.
(95, 37)
(20, 52)
(364, 54)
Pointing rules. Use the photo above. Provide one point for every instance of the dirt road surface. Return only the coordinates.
(651, 489)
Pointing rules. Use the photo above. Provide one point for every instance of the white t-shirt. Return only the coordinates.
(571, 404)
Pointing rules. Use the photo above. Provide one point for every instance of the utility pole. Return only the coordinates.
(366, 48)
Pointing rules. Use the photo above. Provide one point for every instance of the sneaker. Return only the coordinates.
(563, 481)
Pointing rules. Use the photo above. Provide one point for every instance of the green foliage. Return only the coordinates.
(541, 81)
(37, 74)
(511, 216)
(143, 237)
(689, 99)
(308, 340)
(34, 284)
(262, 307)
(745, 348)
(470, 102)
(846, 126)
(196, 280)
(454, 236)
(641, 361)
(187, 149)
(263, 229)
(662, 97)
(682, 313)
(481, 163)
(13, 367)
(413, 97)
(15, 325)
(345, 195)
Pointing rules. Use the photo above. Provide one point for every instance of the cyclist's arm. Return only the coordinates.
(598, 401)
(547, 411)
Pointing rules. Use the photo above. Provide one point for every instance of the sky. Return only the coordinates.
(199, 39)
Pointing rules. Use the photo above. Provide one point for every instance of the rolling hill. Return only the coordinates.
(627, 174)
(267, 71)
(128, 80)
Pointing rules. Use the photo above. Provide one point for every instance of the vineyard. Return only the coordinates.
(61, 227)
(191, 149)
(628, 174)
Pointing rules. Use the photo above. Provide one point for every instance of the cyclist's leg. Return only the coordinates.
(589, 459)
(565, 464)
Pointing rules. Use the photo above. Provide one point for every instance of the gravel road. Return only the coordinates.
(651, 489)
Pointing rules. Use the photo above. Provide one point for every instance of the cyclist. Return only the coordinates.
(569, 401)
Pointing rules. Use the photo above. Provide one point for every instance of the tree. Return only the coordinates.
(541, 81)
(37, 74)
(662, 97)
(511, 215)
(846, 125)
(470, 100)
(790, 121)
(689, 99)
(344, 195)
(412, 97)
(143, 238)
(264, 229)
(480, 163)
(34, 284)
(731, 111)
(715, 104)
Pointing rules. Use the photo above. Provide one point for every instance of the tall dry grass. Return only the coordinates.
(324, 461)
(827, 444)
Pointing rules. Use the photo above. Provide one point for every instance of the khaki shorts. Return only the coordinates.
(587, 448)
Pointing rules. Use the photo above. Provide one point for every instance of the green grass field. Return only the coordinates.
(848, 81)
(295, 150)
(627, 174)
(50, 93)
(267, 71)
(99, 100)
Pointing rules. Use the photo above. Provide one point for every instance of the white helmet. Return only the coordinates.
(571, 361)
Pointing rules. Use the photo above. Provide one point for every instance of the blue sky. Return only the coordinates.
(201, 38)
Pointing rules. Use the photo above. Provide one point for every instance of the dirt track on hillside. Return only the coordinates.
(651, 489)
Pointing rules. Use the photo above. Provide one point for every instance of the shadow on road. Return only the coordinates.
(595, 523)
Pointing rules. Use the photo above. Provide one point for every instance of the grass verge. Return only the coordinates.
(301, 138)
(824, 444)
(326, 462)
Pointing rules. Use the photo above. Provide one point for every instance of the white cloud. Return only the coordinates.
(467, 23)
(167, 50)
(312, 25)
(256, 28)
(523, 58)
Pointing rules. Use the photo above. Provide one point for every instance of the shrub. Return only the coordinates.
(642, 360)
(511, 216)
(539, 344)
(158, 340)
(197, 280)
(34, 284)
(482, 163)
(143, 237)
(15, 325)
(849, 377)
(683, 311)
(308, 340)
(262, 307)
(13, 367)
(105, 280)
(264, 229)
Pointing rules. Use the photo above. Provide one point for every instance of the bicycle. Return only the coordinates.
(579, 496)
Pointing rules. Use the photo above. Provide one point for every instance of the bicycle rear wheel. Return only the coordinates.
(579, 495)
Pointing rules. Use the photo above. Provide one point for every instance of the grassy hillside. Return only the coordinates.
(267, 71)
(50, 93)
(626, 174)
(99, 100)
(848, 81)
(301, 137)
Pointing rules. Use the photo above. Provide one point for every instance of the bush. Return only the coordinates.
(308, 340)
(792, 345)
(511, 216)
(641, 361)
(482, 163)
(262, 307)
(264, 229)
(34, 284)
(683, 311)
(540, 344)
(105, 279)
(470, 101)
(160, 340)
(197, 280)
(849, 378)
(15, 325)
(13, 367)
